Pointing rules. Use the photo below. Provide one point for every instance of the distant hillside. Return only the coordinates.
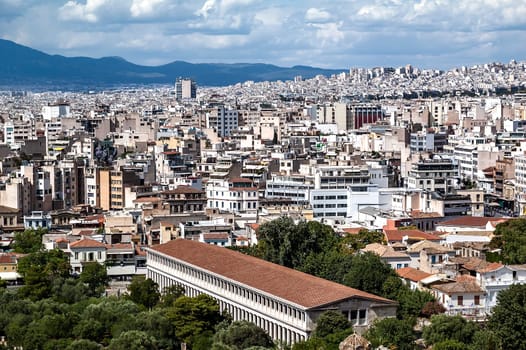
(24, 66)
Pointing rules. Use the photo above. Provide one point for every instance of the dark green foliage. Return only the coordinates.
(282, 242)
(192, 317)
(510, 237)
(391, 332)
(29, 240)
(144, 292)
(40, 269)
(170, 295)
(83, 344)
(443, 328)
(363, 238)
(133, 340)
(450, 345)
(310, 344)
(95, 276)
(368, 273)
(241, 335)
(508, 319)
(485, 340)
(331, 322)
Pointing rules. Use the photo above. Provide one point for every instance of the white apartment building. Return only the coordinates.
(235, 195)
(54, 111)
(439, 175)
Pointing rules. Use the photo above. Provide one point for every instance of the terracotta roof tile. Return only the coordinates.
(459, 287)
(87, 243)
(412, 274)
(398, 235)
(471, 221)
(297, 287)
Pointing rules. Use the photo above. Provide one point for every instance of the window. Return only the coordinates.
(460, 300)
(477, 299)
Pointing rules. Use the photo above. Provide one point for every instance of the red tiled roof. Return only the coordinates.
(295, 286)
(87, 243)
(398, 235)
(471, 221)
(215, 235)
(412, 274)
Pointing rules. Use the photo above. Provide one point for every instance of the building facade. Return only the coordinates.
(284, 302)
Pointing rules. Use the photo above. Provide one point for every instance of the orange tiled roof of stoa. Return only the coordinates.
(296, 287)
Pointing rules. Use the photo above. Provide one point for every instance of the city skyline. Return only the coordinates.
(338, 34)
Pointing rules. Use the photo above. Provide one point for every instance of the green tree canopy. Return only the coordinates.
(240, 335)
(508, 319)
(95, 276)
(144, 292)
(392, 333)
(331, 322)
(368, 273)
(133, 340)
(509, 236)
(445, 328)
(192, 317)
(29, 240)
(283, 242)
(40, 269)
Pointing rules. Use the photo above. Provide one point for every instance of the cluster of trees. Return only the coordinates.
(53, 310)
(509, 237)
(316, 249)
(56, 311)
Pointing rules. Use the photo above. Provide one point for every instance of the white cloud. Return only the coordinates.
(317, 15)
(142, 8)
(329, 32)
(73, 10)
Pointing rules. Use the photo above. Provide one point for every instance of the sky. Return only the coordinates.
(323, 33)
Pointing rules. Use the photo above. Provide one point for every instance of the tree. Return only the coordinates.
(508, 319)
(485, 340)
(40, 269)
(283, 242)
(331, 322)
(358, 241)
(192, 317)
(144, 292)
(368, 273)
(29, 240)
(133, 340)
(171, 294)
(392, 333)
(443, 328)
(95, 276)
(240, 335)
(450, 345)
(432, 308)
(84, 344)
(509, 236)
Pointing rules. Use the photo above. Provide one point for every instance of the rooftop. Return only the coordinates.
(294, 286)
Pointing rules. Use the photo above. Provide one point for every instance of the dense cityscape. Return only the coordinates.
(375, 207)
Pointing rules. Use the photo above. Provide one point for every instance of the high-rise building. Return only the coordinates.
(185, 89)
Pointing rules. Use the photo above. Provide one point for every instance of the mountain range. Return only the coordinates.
(23, 66)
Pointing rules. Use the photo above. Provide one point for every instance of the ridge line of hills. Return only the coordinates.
(23, 66)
